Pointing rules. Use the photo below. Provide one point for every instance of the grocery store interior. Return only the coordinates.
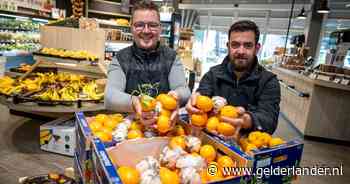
(305, 43)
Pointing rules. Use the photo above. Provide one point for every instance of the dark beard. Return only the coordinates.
(242, 67)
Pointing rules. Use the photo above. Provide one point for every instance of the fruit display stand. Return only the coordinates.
(94, 160)
(70, 39)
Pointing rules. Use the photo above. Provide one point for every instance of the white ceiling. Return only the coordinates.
(220, 14)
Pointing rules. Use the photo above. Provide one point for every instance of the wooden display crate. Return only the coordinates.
(92, 41)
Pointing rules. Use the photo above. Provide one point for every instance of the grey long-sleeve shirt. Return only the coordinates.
(117, 100)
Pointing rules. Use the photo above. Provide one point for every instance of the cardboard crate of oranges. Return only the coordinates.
(266, 151)
(165, 160)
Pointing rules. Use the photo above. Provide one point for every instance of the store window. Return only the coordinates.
(210, 47)
(327, 42)
(272, 42)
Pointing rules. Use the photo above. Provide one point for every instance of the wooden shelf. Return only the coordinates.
(107, 2)
(110, 14)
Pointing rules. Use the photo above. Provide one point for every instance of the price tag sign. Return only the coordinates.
(345, 81)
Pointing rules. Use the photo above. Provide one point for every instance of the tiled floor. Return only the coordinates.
(20, 154)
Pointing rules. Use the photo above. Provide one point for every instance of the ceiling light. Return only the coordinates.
(347, 5)
(323, 7)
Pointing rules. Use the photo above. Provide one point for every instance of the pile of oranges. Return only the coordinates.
(167, 175)
(102, 125)
(257, 140)
(212, 121)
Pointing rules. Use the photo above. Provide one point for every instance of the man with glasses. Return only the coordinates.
(146, 66)
(243, 82)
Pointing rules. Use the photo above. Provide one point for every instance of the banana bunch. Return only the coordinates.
(91, 91)
(80, 54)
(62, 77)
(68, 94)
(8, 86)
(54, 87)
(49, 95)
(31, 85)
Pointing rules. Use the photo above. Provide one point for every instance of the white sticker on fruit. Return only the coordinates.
(263, 162)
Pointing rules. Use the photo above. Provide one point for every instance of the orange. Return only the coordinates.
(135, 126)
(133, 134)
(204, 103)
(276, 141)
(168, 177)
(217, 176)
(213, 123)
(129, 175)
(243, 143)
(110, 123)
(160, 96)
(148, 103)
(229, 111)
(163, 124)
(165, 112)
(101, 118)
(105, 137)
(265, 137)
(179, 130)
(259, 142)
(225, 162)
(253, 136)
(168, 102)
(226, 129)
(95, 126)
(108, 131)
(199, 119)
(208, 152)
(178, 141)
(116, 117)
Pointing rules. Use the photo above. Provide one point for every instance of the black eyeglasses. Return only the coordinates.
(153, 26)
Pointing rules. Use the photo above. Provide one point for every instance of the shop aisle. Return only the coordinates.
(21, 155)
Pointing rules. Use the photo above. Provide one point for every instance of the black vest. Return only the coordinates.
(144, 67)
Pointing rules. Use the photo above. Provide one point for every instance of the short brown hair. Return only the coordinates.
(243, 26)
(145, 5)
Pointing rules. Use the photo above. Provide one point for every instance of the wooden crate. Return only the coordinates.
(92, 41)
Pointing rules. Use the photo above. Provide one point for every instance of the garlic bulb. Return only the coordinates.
(192, 161)
(149, 163)
(218, 102)
(193, 143)
(168, 157)
(150, 177)
(189, 175)
(119, 135)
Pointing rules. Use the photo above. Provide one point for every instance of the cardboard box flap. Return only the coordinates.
(131, 152)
